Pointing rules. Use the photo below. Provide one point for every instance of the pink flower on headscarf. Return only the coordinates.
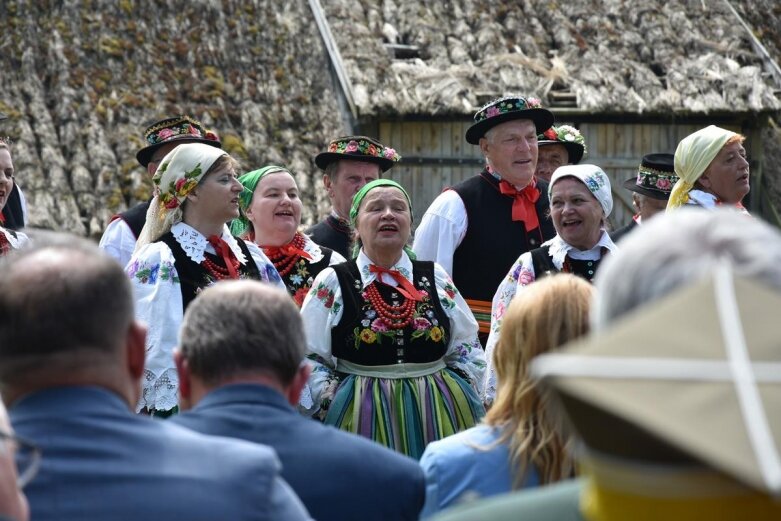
(492, 111)
(173, 203)
(165, 133)
(389, 153)
(352, 146)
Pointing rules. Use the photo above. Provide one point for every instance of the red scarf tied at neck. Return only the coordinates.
(523, 203)
(224, 251)
(404, 287)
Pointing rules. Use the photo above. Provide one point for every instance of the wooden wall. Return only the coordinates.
(435, 155)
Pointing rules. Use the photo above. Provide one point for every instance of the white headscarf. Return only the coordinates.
(593, 177)
(179, 172)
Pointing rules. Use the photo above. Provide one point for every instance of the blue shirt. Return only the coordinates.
(467, 466)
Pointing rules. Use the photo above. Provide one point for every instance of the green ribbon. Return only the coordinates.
(250, 180)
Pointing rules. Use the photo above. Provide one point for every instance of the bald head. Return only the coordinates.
(63, 305)
(241, 328)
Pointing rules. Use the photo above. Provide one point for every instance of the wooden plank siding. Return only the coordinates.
(431, 151)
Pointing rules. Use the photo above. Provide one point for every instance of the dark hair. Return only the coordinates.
(60, 298)
(240, 327)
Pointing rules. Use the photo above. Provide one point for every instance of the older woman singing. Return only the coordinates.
(394, 346)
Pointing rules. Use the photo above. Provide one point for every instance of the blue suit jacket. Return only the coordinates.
(336, 474)
(102, 462)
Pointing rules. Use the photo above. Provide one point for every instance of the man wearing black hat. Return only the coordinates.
(119, 239)
(558, 146)
(477, 229)
(349, 163)
(655, 179)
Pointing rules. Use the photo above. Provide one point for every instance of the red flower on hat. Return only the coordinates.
(663, 184)
(194, 131)
(332, 147)
(492, 111)
(352, 146)
(212, 136)
(372, 150)
(551, 134)
(165, 133)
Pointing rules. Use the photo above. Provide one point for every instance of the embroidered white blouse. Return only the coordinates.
(322, 310)
(118, 241)
(522, 274)
(159, 304)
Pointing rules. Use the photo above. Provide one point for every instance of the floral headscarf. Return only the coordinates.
(694, 154)
(179, 173)
(250, 180)
(358, 198)
(593, 177)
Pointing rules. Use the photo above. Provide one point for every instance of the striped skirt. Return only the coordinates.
(404, 413)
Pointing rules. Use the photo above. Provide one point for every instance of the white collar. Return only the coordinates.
(403, 265)
(13, 241)
(313, 249)
(194, 243)
(704, 199)
(559, 249)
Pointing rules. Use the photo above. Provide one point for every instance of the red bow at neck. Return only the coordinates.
(405, 287)
(288, 250)
(224, 251)
(523, 203)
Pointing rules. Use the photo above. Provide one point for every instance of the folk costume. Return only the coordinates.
(655, 179)
(335, 232)
(297, 262)
(119, 238)
(173, 262)
(693, 155)
(11, 240)
(555, 255)
(477, 228)
(567, 136)
(399, 362)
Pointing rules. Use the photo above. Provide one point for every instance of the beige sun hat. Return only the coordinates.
(704, 389)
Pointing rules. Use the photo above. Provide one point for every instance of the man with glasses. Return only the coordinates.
(14, 476)
(71, 360)
(119, 239)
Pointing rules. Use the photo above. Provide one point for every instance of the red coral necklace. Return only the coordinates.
(396, 317)
(217, 271)
(286, 257)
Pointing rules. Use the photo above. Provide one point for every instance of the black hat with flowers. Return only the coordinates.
(177, 129)
(506, 109)
(655, 177)
(569, 137)
(358, 148)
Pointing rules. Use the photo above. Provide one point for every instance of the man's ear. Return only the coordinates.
(297, 385)
(328, 184)
(136, 349)
(183, 370)
(484, 146)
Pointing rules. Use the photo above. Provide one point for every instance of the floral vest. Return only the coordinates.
(193, 277)
(299, 280)
(361, 337)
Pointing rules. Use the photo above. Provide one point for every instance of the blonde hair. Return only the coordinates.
(547, 314)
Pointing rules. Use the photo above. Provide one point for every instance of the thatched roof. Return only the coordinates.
(81, 83)
(615, 56)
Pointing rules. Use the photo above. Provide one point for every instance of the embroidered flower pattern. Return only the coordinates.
(375, 329)
(364, 147)
(299, 280)
(656, 179)
(150, 273)
(505, 105)
(182, 127)
(464, 354)
(326, 296)
(177, 189)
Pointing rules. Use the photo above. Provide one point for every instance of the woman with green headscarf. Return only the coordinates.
(712, 168)
(270, 216)
(393, 344)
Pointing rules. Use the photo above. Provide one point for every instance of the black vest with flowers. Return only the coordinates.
(361, 336)
(493, 241)
(194, 277)
(298, 280)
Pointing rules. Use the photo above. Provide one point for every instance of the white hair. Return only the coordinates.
(679, 248)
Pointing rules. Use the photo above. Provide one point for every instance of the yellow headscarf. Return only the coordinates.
(692, 157)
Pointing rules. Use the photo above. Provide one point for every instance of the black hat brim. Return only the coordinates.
(542, 118)
(323, 159)
(574, 150)
(631, 184)
(144, 156)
